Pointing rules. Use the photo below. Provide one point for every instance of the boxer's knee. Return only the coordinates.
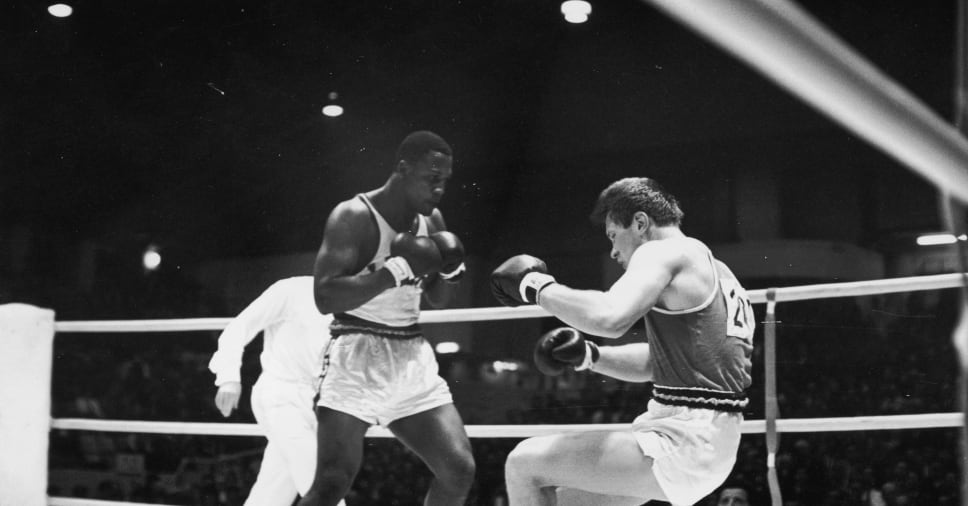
(524, 461)
(459, 471)
(329, 487)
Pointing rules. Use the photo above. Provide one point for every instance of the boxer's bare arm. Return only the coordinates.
(336, 287)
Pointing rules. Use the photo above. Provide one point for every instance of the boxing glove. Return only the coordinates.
(412, 257)
(519, 280)
(452, 255)
(561, 348)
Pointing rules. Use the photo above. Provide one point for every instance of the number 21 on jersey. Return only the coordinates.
(740, 321)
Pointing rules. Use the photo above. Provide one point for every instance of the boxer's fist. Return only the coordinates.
(519, 280)
(451, 254)
(412, 257)
(561, 348)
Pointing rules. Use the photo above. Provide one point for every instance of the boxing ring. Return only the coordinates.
(773, 36)
(29, 332)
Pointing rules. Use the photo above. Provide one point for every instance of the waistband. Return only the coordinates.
(348, 324)
(695, 397)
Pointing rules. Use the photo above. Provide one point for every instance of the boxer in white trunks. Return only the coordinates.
(699, 326)
(381, 252)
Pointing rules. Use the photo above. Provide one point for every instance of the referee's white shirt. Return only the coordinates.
(295, 334)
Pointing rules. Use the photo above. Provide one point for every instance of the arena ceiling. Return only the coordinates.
(198, 124)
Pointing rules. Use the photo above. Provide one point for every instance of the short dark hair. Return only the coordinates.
(419, 143)
(738, 484)
(625, 197)
(734, 483)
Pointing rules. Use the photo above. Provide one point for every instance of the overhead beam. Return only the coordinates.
(781, 41)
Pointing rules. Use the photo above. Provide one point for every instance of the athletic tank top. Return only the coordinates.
(398, 306)
(705, 351)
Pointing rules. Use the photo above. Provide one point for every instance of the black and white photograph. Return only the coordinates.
(484, 253)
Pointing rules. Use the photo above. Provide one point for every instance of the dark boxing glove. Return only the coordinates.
(519, 280)
(452, 256)
(561, 348)
(412, 257)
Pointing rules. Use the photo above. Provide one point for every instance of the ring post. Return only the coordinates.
(771, 404)
(27, 340)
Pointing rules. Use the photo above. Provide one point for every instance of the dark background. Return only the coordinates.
(197, 127)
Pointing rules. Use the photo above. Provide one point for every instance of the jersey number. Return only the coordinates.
(740, 321)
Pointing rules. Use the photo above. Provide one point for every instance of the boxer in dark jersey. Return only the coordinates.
(699, 326)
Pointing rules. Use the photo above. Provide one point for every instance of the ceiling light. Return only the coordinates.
(151, 258)
(60, 10)
(332, 109)
(576, 11)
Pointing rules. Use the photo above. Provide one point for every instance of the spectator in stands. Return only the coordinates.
(733, 494)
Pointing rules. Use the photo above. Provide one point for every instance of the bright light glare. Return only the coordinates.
(60, 10)
(503, 365)
(332, 110)
(936, 239)
(576, 11)
(151, 259)
(447, 347)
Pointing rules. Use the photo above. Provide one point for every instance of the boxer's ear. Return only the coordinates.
(641, 222)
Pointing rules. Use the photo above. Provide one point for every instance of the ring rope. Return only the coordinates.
(786, 294)
(836, 424)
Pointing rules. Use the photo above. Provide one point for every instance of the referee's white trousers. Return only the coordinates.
(284, 411)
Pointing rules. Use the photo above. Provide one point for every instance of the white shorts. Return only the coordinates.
(693, 449)
(379, 379)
